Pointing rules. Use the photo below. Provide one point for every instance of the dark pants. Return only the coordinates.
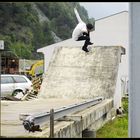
(86, 38)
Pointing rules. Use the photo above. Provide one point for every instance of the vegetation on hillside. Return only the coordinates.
(23, 32)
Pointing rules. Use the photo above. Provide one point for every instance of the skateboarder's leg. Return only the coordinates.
(87, 42)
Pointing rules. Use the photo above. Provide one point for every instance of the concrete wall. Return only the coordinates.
(75, 74)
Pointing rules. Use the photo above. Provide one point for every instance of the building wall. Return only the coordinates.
(9, 65)
(113, 31)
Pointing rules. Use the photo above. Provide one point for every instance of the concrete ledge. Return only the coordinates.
(73, 129)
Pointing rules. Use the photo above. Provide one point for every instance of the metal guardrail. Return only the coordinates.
(32, 122)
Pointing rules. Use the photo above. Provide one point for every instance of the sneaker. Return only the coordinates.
(90, 43)
(86, 50)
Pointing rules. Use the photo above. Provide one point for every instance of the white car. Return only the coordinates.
(14, 85)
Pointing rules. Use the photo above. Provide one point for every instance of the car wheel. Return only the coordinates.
(18, 94)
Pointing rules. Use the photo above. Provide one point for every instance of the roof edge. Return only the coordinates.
(112, 15)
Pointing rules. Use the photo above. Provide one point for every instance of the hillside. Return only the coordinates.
(27, 26)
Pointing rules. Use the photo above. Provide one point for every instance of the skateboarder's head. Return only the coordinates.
(90, 27)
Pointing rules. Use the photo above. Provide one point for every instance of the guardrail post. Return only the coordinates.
(52, 123)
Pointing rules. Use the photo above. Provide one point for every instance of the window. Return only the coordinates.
(6, 79)
(19, 79)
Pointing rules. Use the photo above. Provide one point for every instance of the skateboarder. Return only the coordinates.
(82, 32)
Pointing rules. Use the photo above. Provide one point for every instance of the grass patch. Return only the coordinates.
(117, 128)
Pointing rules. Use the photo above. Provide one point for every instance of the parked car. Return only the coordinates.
(14, 85)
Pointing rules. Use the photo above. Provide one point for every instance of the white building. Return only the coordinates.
(111, 30)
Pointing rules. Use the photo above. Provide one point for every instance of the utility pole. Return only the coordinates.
(134, 70)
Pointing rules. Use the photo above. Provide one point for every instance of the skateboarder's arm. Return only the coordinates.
(77, 15)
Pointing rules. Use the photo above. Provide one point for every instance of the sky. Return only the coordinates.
(99, 10)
